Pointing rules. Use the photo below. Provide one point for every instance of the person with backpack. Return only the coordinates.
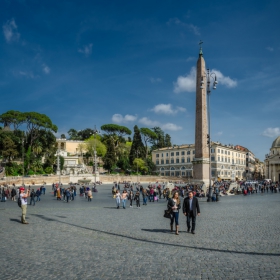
(22, 202)
(38, 193)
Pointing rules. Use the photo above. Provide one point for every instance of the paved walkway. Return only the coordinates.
(236, 238)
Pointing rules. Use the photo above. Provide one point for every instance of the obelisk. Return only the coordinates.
(201, 160)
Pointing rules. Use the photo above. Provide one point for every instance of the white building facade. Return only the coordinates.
(227, 161)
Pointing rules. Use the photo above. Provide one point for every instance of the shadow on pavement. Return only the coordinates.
(15, 220)
(157, 242)
(156, 230)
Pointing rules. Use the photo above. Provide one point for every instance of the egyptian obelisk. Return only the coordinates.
(201, 160)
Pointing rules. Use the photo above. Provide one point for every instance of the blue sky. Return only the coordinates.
(86, 63)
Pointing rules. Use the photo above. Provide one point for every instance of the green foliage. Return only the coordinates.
(140, 164)
(110, 158)
(49, 170)
(167, 140)
(63, 136)
(9, 148)
(162, 140)
(148, 136)
(116, 129)
(92, 144)
(61, 162)
(14, 118)
(123, 163)
(137, 148)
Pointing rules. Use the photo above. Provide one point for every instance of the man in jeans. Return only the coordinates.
(23, 197)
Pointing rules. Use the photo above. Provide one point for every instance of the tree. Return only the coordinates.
(140, 164)
(159, 141)
(92, 144)
(116, 129)
(110, 158)
(73, 134)
(167, 140)
(9, 148)
(36, 122)
(63, 136)
(14, 118)
(85, 134)
(148, 136)
(137, 147)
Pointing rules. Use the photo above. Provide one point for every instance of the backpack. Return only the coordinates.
(19, 201)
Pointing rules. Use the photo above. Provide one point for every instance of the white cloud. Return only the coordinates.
(167, 109)
(188, 26)
(190, 58)
(148, 122)
(227, 81)
(46, 69)
(118, 118)
(10, 31)
(155, 80)
(167, 126)
(86, 50)
(270, 49)
(219, 133)
(271, 132)
(171, 126)
(26, 74)
(186, 83)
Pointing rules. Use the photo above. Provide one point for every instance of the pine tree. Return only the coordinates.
(110, 158)
(137, 148)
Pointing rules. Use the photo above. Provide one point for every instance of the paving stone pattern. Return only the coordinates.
(236, 238)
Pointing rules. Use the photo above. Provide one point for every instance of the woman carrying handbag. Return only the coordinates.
(174, 205)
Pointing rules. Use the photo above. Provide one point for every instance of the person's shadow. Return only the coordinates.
(15, 220)
(156, 230)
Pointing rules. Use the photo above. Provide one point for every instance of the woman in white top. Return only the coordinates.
(118, 198)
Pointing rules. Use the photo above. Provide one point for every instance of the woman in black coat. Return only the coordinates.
(174, 205)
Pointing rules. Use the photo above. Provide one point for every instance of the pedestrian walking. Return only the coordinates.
(23, 198)
(131, 197)
(137, 199)
(118, 198)
(89, 195)
(174, 204)
(32, 197)
(191, 210)
(124, 197)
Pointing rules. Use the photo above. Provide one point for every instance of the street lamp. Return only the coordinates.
(137, 152)
(95, 160)
(208, 77)
(58, 166)
(22, 141)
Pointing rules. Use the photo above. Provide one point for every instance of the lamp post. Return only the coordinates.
(208, 76)
(95, 159)
(137, 152)
(58, 166)
(22, 141)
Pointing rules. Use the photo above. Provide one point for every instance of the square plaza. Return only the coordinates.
(236, 238)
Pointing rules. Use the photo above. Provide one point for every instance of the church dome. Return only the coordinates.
(276, 143)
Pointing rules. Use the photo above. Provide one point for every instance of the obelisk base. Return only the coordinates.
(201, 170)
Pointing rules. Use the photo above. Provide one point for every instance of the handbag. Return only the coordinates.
(167, 214)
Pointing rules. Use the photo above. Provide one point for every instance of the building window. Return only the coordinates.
(167, 154)
(177, 160)
(212, 158)
(188, 152)
(157, 161)
(218, 150)
(183, 173)
(193, 152)
(172, 154)
(213, 173)
(182, 160)
(162, 155)
(162, 161)
(172, 160)
(212, 150)
(183, 153)
(177, 153)
(188, 159)
(219, 159)
(157, 155)
(167, 161)
(222, 151)
(222, 158)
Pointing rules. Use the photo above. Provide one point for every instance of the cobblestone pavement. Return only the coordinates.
(236, 238)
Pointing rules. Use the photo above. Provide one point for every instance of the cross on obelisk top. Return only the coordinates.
(200, 51)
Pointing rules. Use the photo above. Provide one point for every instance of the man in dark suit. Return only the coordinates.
(190, 210)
